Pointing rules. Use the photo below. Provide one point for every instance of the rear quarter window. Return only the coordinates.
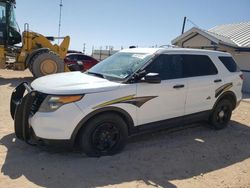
(229, 63)
(198, 65)
(72, 57)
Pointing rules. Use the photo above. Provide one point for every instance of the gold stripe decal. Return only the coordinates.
(223, 88)
(115, 101)
(130, 99)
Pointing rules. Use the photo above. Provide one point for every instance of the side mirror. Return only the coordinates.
(79, 63)
(153, 78)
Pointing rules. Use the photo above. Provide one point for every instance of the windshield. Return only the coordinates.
(120, 65)
(2, 12)
(12, 17)
(13, 22)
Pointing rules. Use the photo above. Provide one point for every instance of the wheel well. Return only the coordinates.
(123, 114)
(229, 95)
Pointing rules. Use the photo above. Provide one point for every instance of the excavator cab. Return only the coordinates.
(9, 29)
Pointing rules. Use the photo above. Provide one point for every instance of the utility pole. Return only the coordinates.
(84, 48)
(183, 26)
(60, 21)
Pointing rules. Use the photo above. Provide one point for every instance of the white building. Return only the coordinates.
(102, 54)
(232, 38)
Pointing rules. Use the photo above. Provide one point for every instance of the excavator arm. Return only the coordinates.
(33, 41)
(2, 57)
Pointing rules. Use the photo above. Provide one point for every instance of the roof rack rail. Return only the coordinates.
(168, 46)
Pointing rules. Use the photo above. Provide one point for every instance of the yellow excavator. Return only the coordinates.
(37, 53)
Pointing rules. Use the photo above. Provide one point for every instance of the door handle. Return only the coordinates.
(217, 80)
(178, 86)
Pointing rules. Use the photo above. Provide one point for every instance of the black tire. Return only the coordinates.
(30, 68)
(105, 134)
(221, 114)
(46, 62)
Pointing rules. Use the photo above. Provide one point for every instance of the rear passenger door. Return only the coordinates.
(201, 75)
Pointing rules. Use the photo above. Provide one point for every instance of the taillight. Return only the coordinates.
(241, 76)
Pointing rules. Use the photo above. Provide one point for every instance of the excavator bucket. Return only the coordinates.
(63, 48)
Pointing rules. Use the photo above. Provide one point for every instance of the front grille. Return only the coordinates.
(37, 102)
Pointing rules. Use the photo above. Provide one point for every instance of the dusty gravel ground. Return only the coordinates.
(192, 157)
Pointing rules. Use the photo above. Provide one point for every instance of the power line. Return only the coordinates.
(192, 23)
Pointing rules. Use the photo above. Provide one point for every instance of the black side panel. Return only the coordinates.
(174, 122)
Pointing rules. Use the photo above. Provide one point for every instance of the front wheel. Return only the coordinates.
(221, 114)
(45, 63)
(105, 134)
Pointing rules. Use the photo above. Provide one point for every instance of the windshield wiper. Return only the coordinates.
(96, 74)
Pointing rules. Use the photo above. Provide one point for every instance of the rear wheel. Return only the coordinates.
(46, 62)
(221, 114)
(105, 134)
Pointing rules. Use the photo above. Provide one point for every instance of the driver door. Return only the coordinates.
(164, 100)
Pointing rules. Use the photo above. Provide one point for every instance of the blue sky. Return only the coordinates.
(124, 23)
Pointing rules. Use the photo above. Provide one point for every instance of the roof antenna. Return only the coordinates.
(60, 21)
(183, 25)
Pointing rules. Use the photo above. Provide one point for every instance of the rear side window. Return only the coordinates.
(198, 65)
(84, 58)
(182, 66)
(229, 63)
(72, 57)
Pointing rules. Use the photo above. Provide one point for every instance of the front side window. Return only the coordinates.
(120, 65)
(13, 22)
(167, 66)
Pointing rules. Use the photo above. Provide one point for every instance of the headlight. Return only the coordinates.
(52, 103)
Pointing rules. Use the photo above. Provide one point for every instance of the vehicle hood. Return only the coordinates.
(72, 83)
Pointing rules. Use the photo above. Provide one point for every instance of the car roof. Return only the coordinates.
(76, 54)
(166, 50)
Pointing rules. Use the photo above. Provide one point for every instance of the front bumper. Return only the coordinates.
(24, 103)
(30, 124)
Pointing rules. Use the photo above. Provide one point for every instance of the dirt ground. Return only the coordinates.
(192, 157)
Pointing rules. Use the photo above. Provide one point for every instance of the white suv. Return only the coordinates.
(131, 91)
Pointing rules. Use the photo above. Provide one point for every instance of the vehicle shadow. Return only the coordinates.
(155, 159)
(13, 82)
